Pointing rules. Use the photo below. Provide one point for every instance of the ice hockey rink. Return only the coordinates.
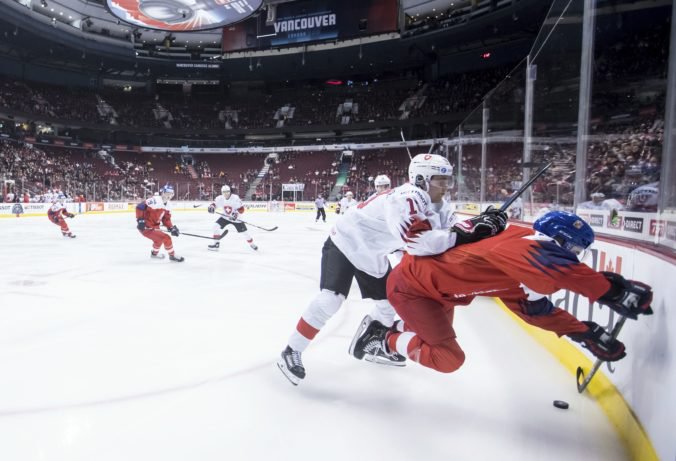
(108, 355)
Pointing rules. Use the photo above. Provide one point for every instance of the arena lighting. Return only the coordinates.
(334, 82)
(183, 15)
(486, 55)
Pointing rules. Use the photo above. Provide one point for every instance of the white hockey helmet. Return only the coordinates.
(381, 180)
(349, 194)
(225, 189)
(424, 166)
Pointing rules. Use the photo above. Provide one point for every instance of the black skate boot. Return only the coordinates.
(291, 365)
(156, 255)
(370, 343)
(176, 259)
(68, 234)
(214, 246)
(253, 246)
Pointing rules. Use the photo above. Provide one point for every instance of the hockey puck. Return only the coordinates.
(561, 404)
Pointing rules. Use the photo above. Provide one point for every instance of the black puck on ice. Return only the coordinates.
(561, 404)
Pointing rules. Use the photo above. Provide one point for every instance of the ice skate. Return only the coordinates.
(253, 246)
(369, 344)
(69, 235)
(291, 365)
(156, 255)
(214, 246)
(176, 259)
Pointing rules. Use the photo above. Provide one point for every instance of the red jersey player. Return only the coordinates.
(521, 267)
(57, 214)
(149, 215)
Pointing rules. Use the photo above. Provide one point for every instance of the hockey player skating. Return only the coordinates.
(346, 203)
(320, 203)
(57, 214)
(230, 206)
(520, 266)
(152, 213)
(412, 216)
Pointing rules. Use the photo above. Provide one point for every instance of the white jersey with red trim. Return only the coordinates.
(347, 203)
(398, 218)
(231, 206)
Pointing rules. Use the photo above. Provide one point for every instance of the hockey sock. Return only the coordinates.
(383, 312)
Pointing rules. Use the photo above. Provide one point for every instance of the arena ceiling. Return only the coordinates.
(93, 16)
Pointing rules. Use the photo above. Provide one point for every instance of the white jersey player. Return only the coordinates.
(229, 206)
(381, 183)
(413, 216)
(346, 203)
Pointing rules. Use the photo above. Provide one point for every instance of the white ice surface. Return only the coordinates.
(108, 355)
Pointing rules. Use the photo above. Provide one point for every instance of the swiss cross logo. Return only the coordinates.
(228, 209)
(428, 156)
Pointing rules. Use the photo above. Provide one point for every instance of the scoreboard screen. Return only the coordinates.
(183, 15)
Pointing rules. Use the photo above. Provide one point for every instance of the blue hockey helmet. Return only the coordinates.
(167, 190)
(568, 229)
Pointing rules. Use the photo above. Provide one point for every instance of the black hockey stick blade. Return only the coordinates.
(523, 188)
(201, 236)
(584, 380)
(268, 229)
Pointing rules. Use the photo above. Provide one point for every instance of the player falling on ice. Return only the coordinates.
(413, 216)
(521, 266)
(230, 206)
(152, 213)
(57, 214)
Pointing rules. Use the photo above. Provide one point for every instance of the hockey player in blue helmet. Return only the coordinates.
(520, 266)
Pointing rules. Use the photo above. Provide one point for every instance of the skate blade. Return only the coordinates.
(383, 361)
(293, 379)
(360, 331)
(212, 249)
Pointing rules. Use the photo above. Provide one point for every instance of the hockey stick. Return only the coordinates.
(406, 145)
(269, 229)
(523, 188)
(586, 379)
(201, 236)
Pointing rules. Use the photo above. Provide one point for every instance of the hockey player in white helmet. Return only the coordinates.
(381, 183)
(413, 216)
(229, 208)
(346, 203)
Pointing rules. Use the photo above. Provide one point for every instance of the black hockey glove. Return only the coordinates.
(70, 215)
(627, 297)
(598, 342)
(141, 224)
(479, 227)
(174, 231)
(211, 209)
(55, 219)
(499, 217)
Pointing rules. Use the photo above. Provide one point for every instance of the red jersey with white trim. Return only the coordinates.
(155, 212)
(511, 265)
(231, 206)
(58, 209)
(392, 220)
